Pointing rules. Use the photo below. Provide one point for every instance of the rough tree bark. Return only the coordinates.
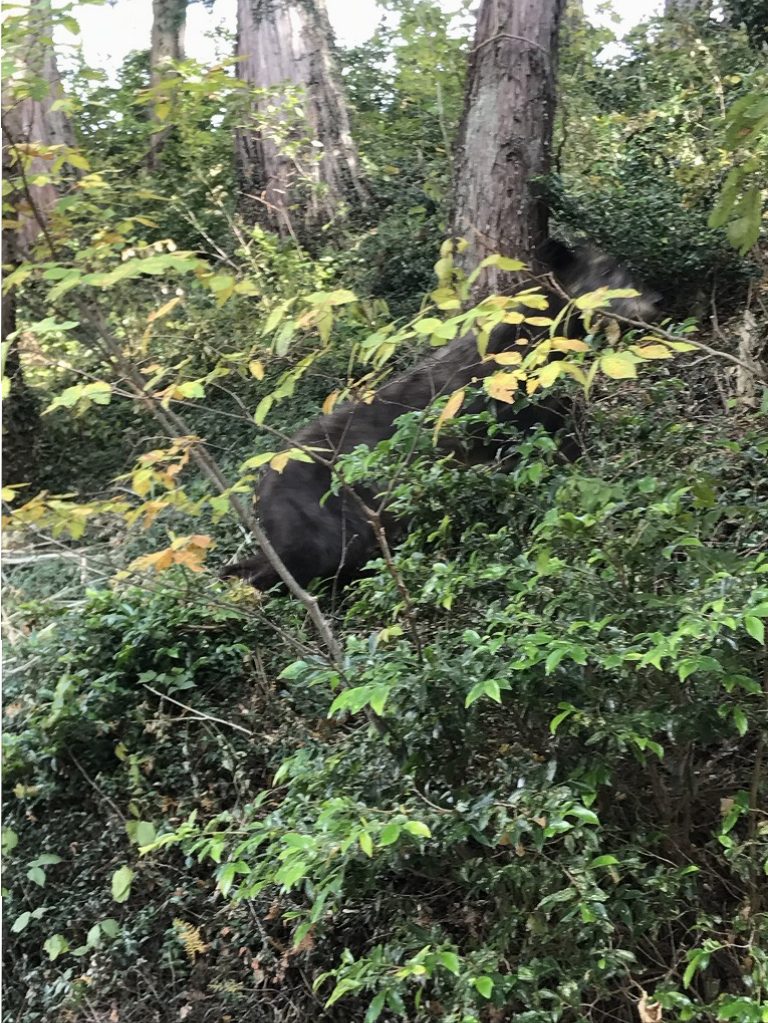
(169, 18)
(31, 125)
(33, 121)
(506, 132)
(289, 43)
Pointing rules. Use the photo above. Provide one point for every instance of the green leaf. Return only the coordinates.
(474, 693)
(389, 834)
(483, 985)
(192, 389)
(9, 837)
(340, 297)
(145, 833)
(262, 409)
(93, 937)
(121, 883)
(55, 946)
(699, 961)
(417, 828)
(376, 1007)
(344, 986)
(46, 860)
(50, 326)
(110, 927)
(99, 392)
(21, 922)
(583, 814)
(428, 325)
(291, 872)
(558, 719)
(603, 861)
(740, 720)
(294, 840)
(277, 314)
(743, 1010)
(755, 627)
(37, 874)
(366, 844)
(450, 961)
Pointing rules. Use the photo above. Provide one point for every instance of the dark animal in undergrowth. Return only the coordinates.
(334, 539)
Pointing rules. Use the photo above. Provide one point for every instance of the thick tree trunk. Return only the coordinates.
(506, 132)
(28, 122)
(298, 169)
(169, 18)
(34, 121)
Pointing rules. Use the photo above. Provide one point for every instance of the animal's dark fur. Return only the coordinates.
(334, 539)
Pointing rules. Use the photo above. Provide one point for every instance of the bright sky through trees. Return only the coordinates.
(111, 31)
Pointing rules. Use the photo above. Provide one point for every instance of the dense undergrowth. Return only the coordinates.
(534, 789)
(561, 809)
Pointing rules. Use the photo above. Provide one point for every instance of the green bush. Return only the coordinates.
(564, 790)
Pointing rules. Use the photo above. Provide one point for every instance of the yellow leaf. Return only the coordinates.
(502, 386)
(592, 300)
(163, 310)
(282, 459)
(141, 482)
(330, 401)
(200, 540)
(550, 373)
(651, 351)
(508, 358)
(533, 300)
(612, 331)
(576, 372)
(159, 561)
(78, 160)
(190, 938)
(513, 317)
(568, 344)
(539, 321)
(618, 365)
(257, 369)
(452, 406)
(682, 346)
(191, 559)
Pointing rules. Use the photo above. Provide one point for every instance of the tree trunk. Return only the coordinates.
(506, 132)
(33, 121)
(169, 19)
(27, 121)
(298, 165)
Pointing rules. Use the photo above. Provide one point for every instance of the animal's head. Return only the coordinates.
(586, 268)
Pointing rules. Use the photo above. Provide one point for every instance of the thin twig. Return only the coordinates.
(95, 787)
(199, 714)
